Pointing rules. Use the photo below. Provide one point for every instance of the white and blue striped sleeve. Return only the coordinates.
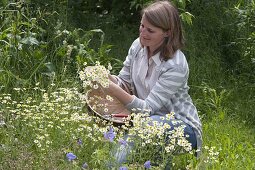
(168, 83)
(124, 77)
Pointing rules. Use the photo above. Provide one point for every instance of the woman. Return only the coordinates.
(156, 71)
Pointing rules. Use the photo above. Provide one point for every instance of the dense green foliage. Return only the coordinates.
(43, 45)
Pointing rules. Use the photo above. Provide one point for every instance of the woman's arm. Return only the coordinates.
(168, 83)
(120, 86)
(119, 93)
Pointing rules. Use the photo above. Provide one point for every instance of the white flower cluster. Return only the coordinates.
(213, 155)
(99, 104)
(154, 134)
(93, 76)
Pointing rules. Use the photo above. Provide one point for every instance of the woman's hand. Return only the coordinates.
(119, 93)
(113, 79)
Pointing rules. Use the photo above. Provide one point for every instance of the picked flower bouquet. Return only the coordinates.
(95, 82)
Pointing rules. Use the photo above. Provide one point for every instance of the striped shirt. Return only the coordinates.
(159, 86)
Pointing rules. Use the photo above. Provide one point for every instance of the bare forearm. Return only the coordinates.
(120, 94)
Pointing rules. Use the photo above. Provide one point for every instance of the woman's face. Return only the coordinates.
(151, 36)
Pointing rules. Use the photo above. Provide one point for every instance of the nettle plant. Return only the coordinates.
(33, 49)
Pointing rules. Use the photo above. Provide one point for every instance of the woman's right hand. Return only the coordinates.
(113, 78)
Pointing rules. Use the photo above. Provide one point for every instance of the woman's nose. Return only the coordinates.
(142, 31)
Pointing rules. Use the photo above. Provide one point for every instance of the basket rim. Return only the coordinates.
(107, 117)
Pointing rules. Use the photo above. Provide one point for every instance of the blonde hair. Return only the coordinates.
(164, 15)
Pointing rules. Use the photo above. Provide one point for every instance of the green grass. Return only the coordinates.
(232, 139)
(235, 143)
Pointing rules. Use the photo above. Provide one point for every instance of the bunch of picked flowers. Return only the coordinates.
(95, 82)
(94, 76)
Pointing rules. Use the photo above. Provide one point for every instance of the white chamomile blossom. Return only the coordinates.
(109, 66)
(109, 98)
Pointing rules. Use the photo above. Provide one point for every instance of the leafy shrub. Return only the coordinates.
(30, 53)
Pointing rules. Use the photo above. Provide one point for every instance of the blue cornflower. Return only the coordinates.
(79, 141)
(147, 164)
(85, 166)
(123, 168)
(109, 135)
(123, 142)
(70, 156)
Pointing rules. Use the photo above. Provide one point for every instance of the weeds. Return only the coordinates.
(212, 103)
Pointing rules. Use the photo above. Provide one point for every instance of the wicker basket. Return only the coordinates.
(113, 110)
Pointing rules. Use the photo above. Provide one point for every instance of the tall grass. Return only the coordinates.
(31, 53)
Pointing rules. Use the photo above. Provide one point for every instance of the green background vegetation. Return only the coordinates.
(48, 41)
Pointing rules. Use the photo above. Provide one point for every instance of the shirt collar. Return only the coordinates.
(155, 58)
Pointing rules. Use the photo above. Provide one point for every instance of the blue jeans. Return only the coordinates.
(121, 152)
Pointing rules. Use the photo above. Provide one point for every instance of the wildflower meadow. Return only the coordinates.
(53, 54)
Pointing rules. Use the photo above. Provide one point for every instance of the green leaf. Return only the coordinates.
(29, 41)
(50, 66)
(187, 17)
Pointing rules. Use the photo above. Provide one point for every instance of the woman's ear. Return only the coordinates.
(166, 33)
